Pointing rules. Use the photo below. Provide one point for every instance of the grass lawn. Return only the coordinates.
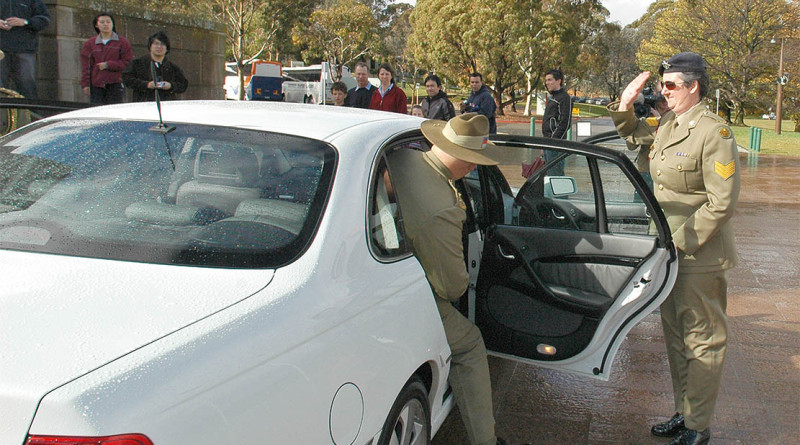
(787, 143)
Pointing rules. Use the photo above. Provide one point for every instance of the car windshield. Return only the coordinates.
(198, 195)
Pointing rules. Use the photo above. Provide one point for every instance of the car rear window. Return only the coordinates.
(196, 195)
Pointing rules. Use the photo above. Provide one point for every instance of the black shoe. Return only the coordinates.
(692, 437)
(670, 428)
(501, 441)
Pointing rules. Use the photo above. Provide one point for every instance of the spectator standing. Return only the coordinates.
(103, 58)
(360, 95)
(169, 79)
(388, 96)
(19, 39)
(437, 105)
(416, 110)
(339, 93)
(481, 101)
(557, 115)
(695, 167)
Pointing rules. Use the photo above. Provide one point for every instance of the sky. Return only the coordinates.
(622, 11)
(625, 11)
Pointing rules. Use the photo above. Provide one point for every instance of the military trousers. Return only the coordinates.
(696, 334)
(469, 374)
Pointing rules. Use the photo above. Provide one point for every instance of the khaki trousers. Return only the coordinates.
(696, 333)
(469, 374)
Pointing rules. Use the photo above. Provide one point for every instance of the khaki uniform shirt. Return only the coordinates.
(694, 163)
(433, 219)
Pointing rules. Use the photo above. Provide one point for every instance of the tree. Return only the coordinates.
(733, 37)
(613, 52)
(246, 40)
(338, 33)
(509, 42)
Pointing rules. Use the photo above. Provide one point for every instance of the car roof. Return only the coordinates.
(308, 120)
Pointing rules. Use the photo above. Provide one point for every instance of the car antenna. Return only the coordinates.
(160, 127)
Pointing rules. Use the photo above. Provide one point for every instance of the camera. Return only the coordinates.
(645, 102)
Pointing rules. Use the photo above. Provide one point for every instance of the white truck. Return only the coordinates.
(312, 84)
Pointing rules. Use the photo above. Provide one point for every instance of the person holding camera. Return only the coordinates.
(153, 74)
(20, 25)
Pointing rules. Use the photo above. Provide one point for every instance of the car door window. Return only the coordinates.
(386, 236)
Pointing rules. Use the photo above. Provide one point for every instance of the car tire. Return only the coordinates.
(409, 421)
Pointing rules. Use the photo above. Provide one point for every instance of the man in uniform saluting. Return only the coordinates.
(695, 169)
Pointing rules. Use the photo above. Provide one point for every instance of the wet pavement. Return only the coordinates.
(759, 402)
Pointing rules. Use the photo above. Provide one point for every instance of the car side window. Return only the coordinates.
(625, 211)
(385, 227)
(559, 202)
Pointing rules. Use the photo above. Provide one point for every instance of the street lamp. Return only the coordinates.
(780, 81)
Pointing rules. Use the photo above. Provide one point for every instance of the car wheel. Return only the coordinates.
(409, 421)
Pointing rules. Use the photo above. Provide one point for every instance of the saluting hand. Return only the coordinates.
(632, 91)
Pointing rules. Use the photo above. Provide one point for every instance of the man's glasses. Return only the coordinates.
(672, 85)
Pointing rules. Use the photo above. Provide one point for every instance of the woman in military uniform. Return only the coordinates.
(695, 169)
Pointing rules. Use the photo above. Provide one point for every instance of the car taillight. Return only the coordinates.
(122, 439)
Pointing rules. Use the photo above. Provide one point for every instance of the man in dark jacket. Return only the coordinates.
(169, 79)
(557, 115)
(20, 23)
(360, 95)
(481, 101)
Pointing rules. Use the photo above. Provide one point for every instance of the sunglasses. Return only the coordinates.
(672, 85)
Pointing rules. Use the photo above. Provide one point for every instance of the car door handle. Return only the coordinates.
(553, 211)
(504, 254)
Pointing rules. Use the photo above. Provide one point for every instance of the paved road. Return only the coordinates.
(760, 398)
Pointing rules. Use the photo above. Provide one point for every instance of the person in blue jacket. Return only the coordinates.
(20, 23)
(480, 101)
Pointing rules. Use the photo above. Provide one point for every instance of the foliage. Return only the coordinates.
(242, 31)
(510, 42)
(613, 51)
(339, 32)
(733, 37)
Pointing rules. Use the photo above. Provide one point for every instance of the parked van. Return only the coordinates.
(312, 84)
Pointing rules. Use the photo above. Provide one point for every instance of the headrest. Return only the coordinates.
(230, 166)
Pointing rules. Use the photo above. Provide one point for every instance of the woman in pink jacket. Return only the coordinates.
(103, 58)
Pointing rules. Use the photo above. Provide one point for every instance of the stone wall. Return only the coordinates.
(196, 45)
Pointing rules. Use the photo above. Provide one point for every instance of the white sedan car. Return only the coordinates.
(239, 274)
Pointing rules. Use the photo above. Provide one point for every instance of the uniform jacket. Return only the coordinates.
(695, 170)
(117, 53)
(138, 74)
(394, 100)
(438, 107)
(24, 39)
(359, 97)
(557, 115)
(482, 102)
(433, 220)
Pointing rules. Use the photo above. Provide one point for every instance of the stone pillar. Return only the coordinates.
(197, 46)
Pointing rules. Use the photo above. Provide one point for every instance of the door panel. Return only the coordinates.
(569, 263)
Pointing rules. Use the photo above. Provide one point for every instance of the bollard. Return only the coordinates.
(533, 125)
(569, 133)
(758, 139)
(752, 138)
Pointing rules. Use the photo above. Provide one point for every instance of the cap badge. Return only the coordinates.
(666, 65)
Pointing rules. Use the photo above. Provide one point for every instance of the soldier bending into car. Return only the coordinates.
(433, 213)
